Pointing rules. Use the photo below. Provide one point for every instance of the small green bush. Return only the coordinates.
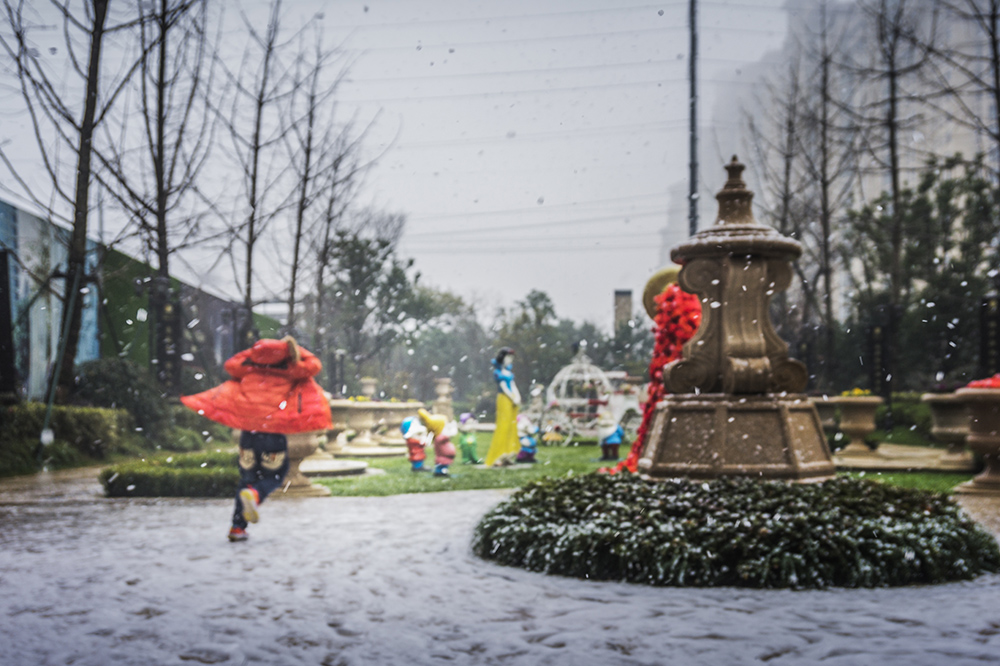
(844, 532)
(119, 383)
(213, 474)
(909, 413)
(210, 431)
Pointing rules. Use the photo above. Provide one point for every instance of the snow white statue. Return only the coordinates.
(505, 444)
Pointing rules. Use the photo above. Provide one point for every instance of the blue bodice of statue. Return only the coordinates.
(504, 378)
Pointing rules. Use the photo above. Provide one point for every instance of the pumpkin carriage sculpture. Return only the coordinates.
(579, 395)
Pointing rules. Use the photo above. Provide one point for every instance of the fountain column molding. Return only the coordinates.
(735, 405)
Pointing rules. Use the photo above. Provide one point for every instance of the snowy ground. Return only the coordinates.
(371, 581)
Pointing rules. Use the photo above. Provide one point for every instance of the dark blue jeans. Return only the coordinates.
(263, 465)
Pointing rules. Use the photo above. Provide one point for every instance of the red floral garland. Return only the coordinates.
(678, 314)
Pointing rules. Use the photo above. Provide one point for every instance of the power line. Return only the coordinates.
(536, 225)
(613, 129)
(546, 209)
(519, 72)
(532, 91)
(487, 19)
(493, 250)
(525, 239)
(519, 40)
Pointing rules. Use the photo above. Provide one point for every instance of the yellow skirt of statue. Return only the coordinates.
(505, 436)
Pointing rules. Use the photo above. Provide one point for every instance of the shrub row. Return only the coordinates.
(88, 434)
(907, 412)
(206, 474)
(844, 532)
(80, 434)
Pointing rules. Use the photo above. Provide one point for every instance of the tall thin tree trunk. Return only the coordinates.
(78, 243)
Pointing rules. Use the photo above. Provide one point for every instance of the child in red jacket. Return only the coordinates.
(272, 394)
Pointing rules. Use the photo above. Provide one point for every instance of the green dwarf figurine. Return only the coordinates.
(467, 439)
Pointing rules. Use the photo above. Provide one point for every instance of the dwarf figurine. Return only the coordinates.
(526, 432)
(467, 438)
(415, 435)
(610, 435)
(443, 430)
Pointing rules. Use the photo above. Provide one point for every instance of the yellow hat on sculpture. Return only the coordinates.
(655, 285)
(434, 422)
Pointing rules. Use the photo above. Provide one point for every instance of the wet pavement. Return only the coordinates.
(391, 580)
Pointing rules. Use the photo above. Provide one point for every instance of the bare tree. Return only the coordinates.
(154, 172)
(773, 129)
(829, 155)
(964, 71)
(65, 119)
(256, 135)
(315, 143)
(894, 26)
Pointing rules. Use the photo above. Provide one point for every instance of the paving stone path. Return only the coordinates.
(371, 581)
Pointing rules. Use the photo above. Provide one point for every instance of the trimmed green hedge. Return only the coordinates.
(81, 434)
(213, 474)
(85, 435)
(736, 532)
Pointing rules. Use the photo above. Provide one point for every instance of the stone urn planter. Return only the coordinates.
(827, 410)
(368, 386)
(857, 421)
(361, 419)
(391, 415)
(336, 436)
(300, 446)
(984, 438)
(443, 388)
(949, 424)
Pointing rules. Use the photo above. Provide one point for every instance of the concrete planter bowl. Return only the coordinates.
(984, 438)
(857, 421)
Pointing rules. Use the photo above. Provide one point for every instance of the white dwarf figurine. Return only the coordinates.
(610, 435)
(527, 434)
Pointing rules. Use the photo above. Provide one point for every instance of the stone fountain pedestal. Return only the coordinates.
(736, 405)
(711, 435)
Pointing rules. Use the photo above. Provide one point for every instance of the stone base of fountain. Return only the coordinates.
(762, 436)
(371, 450)
(320, 467)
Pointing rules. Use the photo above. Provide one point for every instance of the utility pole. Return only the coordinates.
(693, 128)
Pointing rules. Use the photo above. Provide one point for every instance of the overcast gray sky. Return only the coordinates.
(535, 142)
(533, 145)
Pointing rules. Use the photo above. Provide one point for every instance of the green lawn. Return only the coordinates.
(553, 461)
(941, 482)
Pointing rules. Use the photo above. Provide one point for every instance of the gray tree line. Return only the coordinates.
(877, 145)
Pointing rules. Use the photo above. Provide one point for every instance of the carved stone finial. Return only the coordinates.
(734, 198)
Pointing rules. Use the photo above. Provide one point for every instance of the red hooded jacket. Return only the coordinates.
(271, 391)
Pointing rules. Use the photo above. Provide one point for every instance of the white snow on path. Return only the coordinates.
(371, 581)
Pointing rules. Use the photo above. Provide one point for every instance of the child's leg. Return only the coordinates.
(273, 466)
(248, 478)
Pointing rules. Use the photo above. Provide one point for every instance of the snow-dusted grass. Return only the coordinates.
(940, 482)
(845, 532)
(398, 478)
